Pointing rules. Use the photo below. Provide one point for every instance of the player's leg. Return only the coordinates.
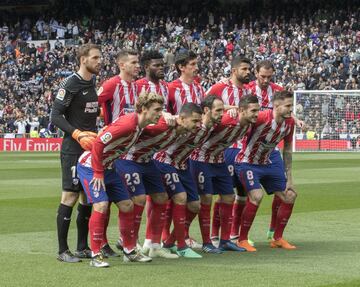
(100, 201)
(82, 224)
(249, 176)
(70, 194)
(215, 223)
(106, 250)
(277, 162)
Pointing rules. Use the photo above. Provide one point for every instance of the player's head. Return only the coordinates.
(216, 107)
(283, 103)
(249, 108)
(240, 69)
(186, 64)
(190, 116)
(89, 57)
(153, 63)
(150, 105)
(264, 72)
(128, 62)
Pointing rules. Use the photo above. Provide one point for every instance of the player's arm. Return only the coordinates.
(57, 117)
(105, 95)
(299, 123)
(287, 157)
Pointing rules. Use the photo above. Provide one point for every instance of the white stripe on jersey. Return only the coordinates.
(251, 143)
(116, 103)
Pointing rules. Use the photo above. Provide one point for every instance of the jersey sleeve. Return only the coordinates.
(171, 99)
(215, 90)
(105, 97)
(160, 127)
(289, 136)
(118, 129)
(62, 101)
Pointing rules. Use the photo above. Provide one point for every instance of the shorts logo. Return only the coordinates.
(251, 182)
(96, 194)
(100, 91)
(75, 181)
(106, 137)
(61, 94)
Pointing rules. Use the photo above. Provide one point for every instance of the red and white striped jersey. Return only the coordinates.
(178, 152)
(161, 88)
(117, 97)
(229, 93)
(181, 93)
(116, 139)
(263, 138)
(152, 139)
(222, 137)
(264, 96)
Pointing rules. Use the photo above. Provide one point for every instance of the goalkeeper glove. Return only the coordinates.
(85, 139)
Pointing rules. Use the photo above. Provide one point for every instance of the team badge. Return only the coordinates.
(96, 194)
(61, 94)
(106, 137)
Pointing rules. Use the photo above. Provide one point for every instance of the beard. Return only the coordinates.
(243, 80)
(92, 70)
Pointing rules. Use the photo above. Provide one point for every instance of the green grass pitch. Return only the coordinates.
(324, 226)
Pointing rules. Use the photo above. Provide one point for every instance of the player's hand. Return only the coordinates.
(169, 119)
(232, 113)
(85, 139)
(301, 124)
(98, 183)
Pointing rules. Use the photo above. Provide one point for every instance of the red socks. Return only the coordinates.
(138, 210)
(237, 210)
(96, 229)
(107, 219)
(168, 218)
(204, 222)
(149, 208)
(247, 219)
(274, 211)
(216, 220)
(178, 215)
(189, 218)
(283, 216)
(156, 221)
(127, 233)
(225, 220)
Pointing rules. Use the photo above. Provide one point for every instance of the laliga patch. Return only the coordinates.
(106, 137)
(61, 94)
(100, 91)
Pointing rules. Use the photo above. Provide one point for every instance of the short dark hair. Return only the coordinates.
(125, 53)
(282, 95)
(237, 60)
(246, 100)
(183, 58)
(266, 64)
(147, 56)
(208, 101)
(189, 108)
(84, 50)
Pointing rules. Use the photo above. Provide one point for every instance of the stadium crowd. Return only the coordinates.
(318, 48)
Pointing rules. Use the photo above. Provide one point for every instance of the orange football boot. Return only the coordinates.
(246, 245)
(282, 243)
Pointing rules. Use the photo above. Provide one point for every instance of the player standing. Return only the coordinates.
(102, 184)
(74, 111)
(254, 168)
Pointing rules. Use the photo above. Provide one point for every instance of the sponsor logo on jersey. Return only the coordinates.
(61, 94)
(106, 137)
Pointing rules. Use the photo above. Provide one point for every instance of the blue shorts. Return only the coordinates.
(212, 178)
(276, 159)
(140, 178)
(177, 180)
(115, 188)
(253, 176)
(230, 155)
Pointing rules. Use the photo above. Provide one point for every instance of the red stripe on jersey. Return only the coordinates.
(264, 96)
(181, 93)
(152, 139)
(179, 151)
(160, 88)
(224, 134)
(229, 93)
(264, 137)
(117, 98)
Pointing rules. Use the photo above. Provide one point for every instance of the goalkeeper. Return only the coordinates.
(74, 111)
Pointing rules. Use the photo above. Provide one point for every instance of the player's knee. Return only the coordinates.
(180, 198)
(125, 205)
(194, 206)
(240, 199)
(69, 198)
(160, 198)
(83, 199)
(139, 199)
(256, 196)
(206, 199)
(228, 199)
(291, 196)
(101, 207)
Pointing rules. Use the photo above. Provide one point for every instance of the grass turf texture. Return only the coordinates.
(324, 226)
